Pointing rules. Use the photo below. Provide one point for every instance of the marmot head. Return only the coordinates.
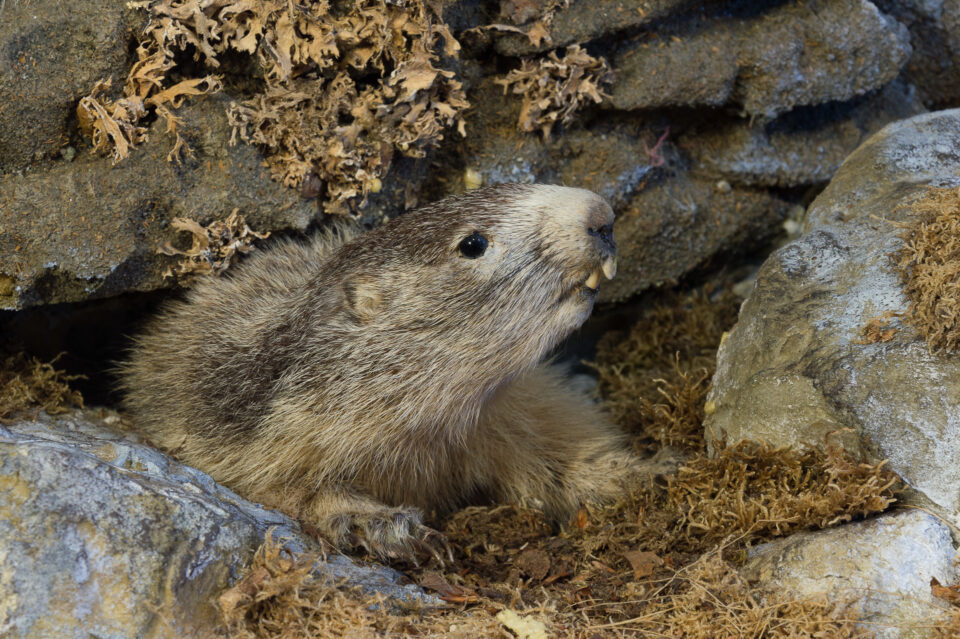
(470, 291)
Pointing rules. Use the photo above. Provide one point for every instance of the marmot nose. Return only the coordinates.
(605, 241)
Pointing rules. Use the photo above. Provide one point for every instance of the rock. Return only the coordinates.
(677, 224)
(793, 55)
(87, 229)
(935, 34)
(102, 536)
(585, 21)
(793, 370)
(805, 146)
(49, 59)
(885, 565)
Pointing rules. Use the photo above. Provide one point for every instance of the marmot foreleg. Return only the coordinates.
(542, 442)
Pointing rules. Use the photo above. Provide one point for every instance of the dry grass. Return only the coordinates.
(929, 268)
(26, 382)
(554, 88)
(213, 248)
(345, 86)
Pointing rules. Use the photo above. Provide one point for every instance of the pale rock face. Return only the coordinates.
(883, 565)
(792, 369)
(102, 536)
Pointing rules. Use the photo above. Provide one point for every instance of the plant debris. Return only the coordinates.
(344, 86)
(555, 88)
(654, 380)
(929, 268)
(214, 247)
(26, 382)
(282, 596)
(879, 329)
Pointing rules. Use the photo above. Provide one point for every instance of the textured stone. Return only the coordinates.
(883, 565)
(102, 536)
(792, 369)
(793, 55)
(86, 229)
(49, 58)
(585, 21)
(805, 146)
(678, 223)
(935, 34)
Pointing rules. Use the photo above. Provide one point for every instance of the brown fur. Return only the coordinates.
(356, 381)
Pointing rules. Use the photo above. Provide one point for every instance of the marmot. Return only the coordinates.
(358, 380)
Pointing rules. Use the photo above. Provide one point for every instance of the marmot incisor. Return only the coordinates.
(356, 380)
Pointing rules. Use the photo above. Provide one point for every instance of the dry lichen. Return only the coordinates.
(929, 268)
(555, 88)
(343, 89)
(26, 382)
(214, 247)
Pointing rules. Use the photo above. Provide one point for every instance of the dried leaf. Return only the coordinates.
(643, 562)
(447, 591)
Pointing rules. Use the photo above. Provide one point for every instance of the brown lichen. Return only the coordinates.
(26, 382)
(214, 247)
(929, 268)
(343, 88)
(555, 88)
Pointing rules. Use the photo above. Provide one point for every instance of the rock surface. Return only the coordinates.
(935, 34)
(794, 368)
(87, 229)
(102, 536)
(49, 59)
(885, 564)
(805, 146)
(585, 21)
(793, 55)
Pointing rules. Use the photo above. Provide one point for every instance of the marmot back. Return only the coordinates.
(356, 380)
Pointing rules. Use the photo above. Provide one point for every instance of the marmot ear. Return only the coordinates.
(362, 296)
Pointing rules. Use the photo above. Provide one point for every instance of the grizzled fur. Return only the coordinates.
(355, 381)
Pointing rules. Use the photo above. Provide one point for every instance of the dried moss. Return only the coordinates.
(26, 382)
(929, 268)
(214, 247)
(654, 379)
(344, 89)
(554, 88)
(290, 598)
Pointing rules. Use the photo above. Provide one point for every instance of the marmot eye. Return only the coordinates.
(473, 245)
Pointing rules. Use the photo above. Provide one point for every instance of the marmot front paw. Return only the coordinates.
(388, 533)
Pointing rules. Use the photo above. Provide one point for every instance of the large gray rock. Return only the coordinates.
(883, 565)
(793, 368)
(792, 55)
(50, 57)
(103, 537)
(87, 229)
